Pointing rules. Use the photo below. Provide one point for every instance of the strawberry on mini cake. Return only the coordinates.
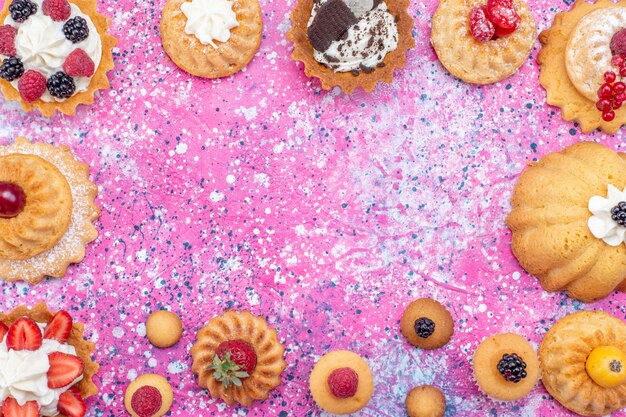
(238, 358)
(45, 368)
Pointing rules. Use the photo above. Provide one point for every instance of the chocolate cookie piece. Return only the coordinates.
(332, 20)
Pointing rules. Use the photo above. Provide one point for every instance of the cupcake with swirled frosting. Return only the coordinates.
(351, 43)
(211, 38)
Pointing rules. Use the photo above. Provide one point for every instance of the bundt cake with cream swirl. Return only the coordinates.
(568, 228)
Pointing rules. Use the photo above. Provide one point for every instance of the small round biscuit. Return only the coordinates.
(164, 329)
(220, 59)
(425, 401)
(149, 395)
(427, 324)
(321, 392)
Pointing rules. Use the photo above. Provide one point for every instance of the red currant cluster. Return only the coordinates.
(612, 94)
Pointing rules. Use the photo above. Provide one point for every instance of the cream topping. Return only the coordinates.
(23, 375)
(600, 223)
(41, 46)
(588, 52)
(209, 20)
(365, 44)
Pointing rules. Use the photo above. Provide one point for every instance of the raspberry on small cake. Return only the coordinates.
(341, 382)
(31, 85)
(58, 10)
(79, 64)
(7, 40)
(149, 395)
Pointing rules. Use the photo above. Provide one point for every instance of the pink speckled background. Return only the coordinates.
(323, 212)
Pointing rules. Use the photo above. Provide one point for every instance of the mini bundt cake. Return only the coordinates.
(567, 223)
(583, 363)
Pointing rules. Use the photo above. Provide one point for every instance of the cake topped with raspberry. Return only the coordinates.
(49, 49)
(39, 369)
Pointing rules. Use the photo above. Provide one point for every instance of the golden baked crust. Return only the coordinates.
(433, 310)
(550, 236)
(99, 80)
(153, 380)
(230, 57)
(84, 348)
(70, 248)
(320, 391)
(235, 325)
(554, 78)
(479, 62)
(425, 401)
(486, 359)
(47, 212)
(563, 353)
(303, 50)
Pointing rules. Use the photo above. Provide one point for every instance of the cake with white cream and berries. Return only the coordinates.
(45, 369)
(54, 53)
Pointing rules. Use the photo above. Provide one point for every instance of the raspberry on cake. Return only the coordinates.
(238, 358)
(341, 382)
(149, 395)
(482, 41)
(64, 42)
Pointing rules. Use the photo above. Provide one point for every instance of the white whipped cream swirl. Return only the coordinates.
(366, 43)
(600, 223)
(41, 45)
(23, 375)
(209, 20)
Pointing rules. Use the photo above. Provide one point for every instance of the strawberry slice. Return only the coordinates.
(11, 408)
(24, 334)
(59, 328)
(3, 331)
(71, 403)
(64, 369)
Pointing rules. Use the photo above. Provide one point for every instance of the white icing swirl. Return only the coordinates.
(209, 20)
(41, 45)
(23, 375)
(600, 223)
(365, 44)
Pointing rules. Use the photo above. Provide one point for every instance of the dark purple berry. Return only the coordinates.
(424, 327)
(512, 368)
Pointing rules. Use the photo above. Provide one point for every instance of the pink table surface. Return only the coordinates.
(323, 212)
